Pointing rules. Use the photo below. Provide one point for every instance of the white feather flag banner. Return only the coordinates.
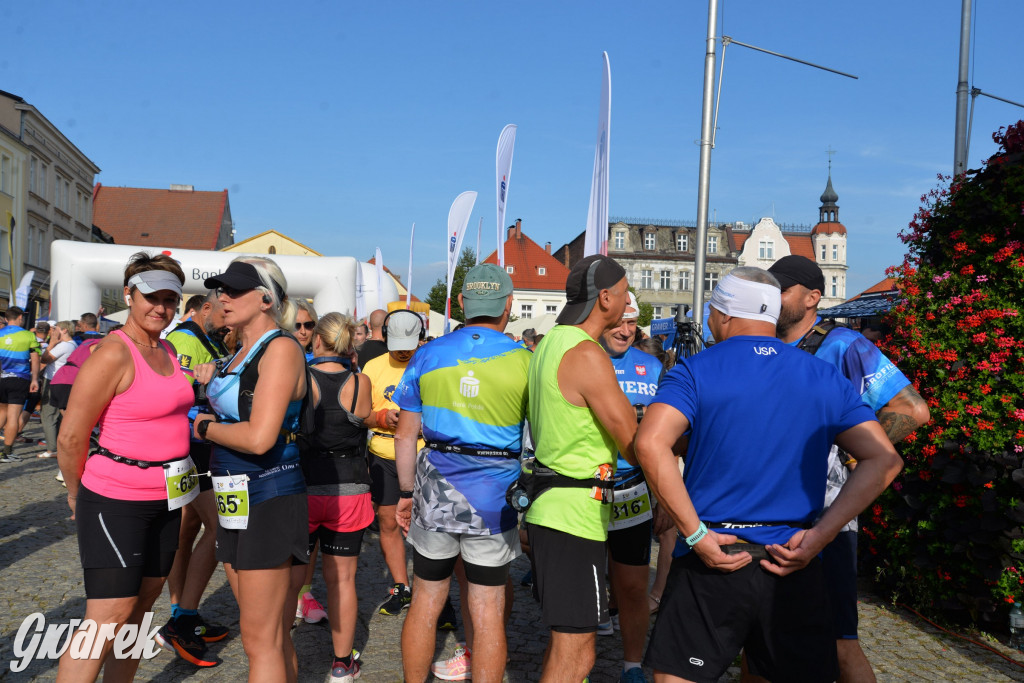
(503, 174)
(596, 240)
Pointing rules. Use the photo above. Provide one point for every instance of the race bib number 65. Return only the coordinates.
(232, 494)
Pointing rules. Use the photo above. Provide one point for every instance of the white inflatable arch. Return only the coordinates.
(81, 270)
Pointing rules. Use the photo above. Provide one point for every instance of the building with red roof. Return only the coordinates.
(538, 279)
(179, 217)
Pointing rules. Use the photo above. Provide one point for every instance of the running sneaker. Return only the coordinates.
(47, 454)
(344, 674)
(398, 599)
(605, 628)
(310, 610)
(447, 621)
(634, 675)
(177, 638)
(457, 668)
(210, 633)
(59, 477)
(9, 457)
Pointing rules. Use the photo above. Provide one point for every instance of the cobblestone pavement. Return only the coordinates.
(40, 572)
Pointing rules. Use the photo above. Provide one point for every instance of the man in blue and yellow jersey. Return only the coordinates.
(468, 391)
(580, 420)
(19, 360)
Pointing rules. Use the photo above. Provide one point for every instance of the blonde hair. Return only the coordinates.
(304, 305)
(335, 331)
(67, 326)
(282, 308)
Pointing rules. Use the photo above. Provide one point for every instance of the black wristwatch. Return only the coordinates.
(201, 429)
(405, 494)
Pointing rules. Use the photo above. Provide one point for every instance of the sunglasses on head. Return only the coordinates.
(309, 325)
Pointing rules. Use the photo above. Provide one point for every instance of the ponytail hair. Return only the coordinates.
(336, 332)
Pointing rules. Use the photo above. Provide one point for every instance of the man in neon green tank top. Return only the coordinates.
(580, 420)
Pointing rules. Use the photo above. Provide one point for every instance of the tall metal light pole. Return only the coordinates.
(704, 174)
(707, 126)
(962, 91)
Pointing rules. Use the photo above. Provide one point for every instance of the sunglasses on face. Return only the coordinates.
(309, 325)
(231, 292)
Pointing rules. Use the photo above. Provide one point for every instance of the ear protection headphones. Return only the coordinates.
(384, 325)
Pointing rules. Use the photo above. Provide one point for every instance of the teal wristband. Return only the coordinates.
(700, 533)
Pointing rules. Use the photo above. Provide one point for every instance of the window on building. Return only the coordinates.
(823, 248)
(682, 242)
(835, 252)
(5, 174)
(684, 281)
(525, 310)
(541, 270)
(766, 249)
(649, 241)
(32, 174)
(510, 269)
(41, 180)
(43, 258)
(835, 286)
(620, 239)
(31, 239)
(710, 280)
(666, 279)
(657, 311)
(67, 195)
(712, 244)
(551, 309)
(645, 279)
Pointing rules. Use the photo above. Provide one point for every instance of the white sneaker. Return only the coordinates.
(456, 668)
(47, 454)
(60, 477)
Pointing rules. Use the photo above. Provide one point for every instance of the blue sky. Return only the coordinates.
(342, 123)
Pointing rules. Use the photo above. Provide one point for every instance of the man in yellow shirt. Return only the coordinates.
(403, 331)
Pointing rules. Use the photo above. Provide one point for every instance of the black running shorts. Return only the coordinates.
(839, 562)
(14, 390)
(122, 541)
(277, 530)
(706, 617)
(383, 481)
(569, 579)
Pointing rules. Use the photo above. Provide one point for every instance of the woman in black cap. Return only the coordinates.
(261, 494)
(126, 500)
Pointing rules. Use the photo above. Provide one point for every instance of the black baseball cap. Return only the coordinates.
(798, 270)
(586, 280)
(241, 276)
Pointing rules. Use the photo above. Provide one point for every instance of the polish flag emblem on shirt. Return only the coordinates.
(641, 370)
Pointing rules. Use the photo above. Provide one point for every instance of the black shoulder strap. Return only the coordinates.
(199, 334)
(813, 339)
(249, 375)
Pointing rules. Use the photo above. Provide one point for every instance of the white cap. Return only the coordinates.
(745, 299)
(632, 311)
(403, 330)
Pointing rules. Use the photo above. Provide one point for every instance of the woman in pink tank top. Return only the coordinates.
(126, 498)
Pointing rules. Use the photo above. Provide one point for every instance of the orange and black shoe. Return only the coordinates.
(210, 633)
(180, 638)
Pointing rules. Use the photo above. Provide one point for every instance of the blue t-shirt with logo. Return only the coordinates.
(762, 418)
(16, 348)
(871, 374)
(638, 374)
(470, 386)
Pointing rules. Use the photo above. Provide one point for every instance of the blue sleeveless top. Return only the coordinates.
(274, 473)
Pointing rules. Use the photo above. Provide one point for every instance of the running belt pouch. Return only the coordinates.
(535, 478)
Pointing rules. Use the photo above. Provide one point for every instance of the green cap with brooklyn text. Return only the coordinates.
(485, 290)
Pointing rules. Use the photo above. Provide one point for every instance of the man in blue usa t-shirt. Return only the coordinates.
(759, 428)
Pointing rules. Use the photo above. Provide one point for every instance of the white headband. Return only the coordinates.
(746, 299)
(635, 312)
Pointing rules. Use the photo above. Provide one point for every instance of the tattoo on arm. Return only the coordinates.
(896, 425)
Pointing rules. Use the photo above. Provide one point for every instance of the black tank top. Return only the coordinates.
(334, 454)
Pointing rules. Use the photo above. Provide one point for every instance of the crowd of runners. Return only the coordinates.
(256, 433)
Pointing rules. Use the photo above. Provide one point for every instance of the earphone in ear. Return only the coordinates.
(127, 300)
(266, 298)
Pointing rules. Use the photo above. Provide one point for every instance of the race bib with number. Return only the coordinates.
(630, 507)
(232, 501)
(182, 483)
